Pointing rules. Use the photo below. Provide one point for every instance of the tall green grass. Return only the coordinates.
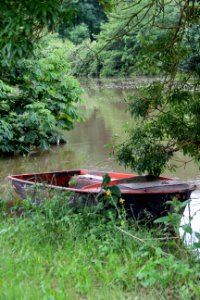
(56, 251)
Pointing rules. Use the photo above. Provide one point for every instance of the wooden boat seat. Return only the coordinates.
(80, 181)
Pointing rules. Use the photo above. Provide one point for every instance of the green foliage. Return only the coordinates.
(23, 23)
(37, 95)
(143, 152)
(42, 100)
(79, 34)
(67, 253)
(120, 49)
(84, 62)
(170, 124)
(109, 56)
(88, 16)
(173, 219)
(125, 43)
(168, 108)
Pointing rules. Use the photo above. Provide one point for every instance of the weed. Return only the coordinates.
(56, 250)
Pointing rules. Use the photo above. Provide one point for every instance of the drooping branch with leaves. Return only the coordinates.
(168, 109)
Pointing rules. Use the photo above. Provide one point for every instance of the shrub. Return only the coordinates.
(42, 100)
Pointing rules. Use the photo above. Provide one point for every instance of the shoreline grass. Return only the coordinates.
(55, 251)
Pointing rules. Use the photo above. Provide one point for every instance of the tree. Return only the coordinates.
(37, 95)
(89, 14)
(23, 22)
(168, 110)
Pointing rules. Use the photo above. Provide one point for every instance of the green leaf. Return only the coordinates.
(115, 190)
(196, 245)
(162, 220)
(106, 179)
(187, 228)
(197, 234)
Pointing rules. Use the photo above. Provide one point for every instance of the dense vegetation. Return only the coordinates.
(110, 55)
(87, 19)
(169, 107)
(37, 95)
(120, 47)
(58, 251)
(150, 38)
(41, 100)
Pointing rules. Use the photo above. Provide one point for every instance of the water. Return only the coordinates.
(105, 114)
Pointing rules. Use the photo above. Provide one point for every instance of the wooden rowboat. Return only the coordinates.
(145, 196)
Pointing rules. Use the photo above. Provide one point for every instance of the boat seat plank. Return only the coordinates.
(158, 184)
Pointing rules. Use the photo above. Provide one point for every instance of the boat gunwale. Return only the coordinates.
(96, 190)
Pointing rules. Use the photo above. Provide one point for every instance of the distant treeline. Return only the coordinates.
(119, 52)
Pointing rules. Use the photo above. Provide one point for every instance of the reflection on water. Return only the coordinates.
(105, 113)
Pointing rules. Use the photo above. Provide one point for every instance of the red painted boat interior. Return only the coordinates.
(63, 178)
(91, 181)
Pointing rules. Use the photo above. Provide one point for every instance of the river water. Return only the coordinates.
(105, 116)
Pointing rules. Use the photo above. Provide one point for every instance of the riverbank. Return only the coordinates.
(52, 253)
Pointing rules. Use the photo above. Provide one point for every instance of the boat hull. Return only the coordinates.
(143, 200)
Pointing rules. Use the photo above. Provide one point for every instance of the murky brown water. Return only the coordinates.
(105, 114)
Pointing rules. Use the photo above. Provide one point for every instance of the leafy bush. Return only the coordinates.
(88, 15)
(79, 33)
(42, 100)
(116, 51)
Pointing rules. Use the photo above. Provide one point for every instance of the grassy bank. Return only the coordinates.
(55, 252)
